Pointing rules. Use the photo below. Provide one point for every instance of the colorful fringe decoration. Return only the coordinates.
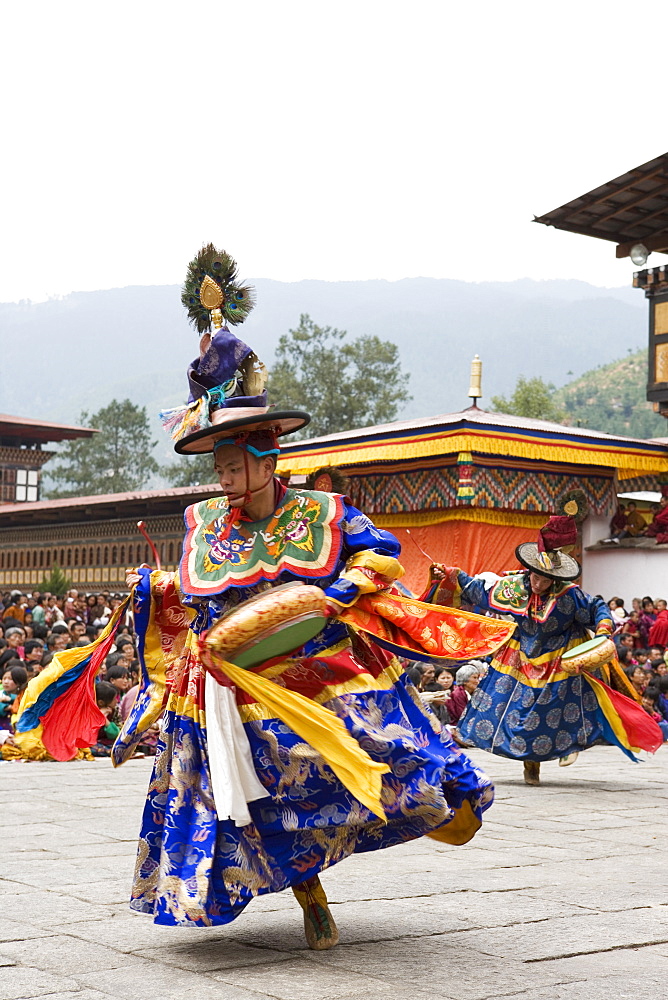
(58, 708)
(465, 491)
(183, 420)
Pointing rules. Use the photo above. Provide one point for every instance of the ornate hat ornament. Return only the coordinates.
(227, 382)
(328, 479)
(550, 556)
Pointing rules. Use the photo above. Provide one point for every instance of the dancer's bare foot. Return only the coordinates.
(531, 772)
(319, 927)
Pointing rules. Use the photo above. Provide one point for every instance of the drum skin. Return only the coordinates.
(269, 615)
(588, 655)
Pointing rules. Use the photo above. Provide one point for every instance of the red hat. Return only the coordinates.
(560, 532)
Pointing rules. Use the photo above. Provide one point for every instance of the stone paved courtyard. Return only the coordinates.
(562, 896)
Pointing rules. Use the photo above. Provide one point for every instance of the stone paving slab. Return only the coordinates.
(561, 896)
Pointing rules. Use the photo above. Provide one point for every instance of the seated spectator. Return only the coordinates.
(658, 529)
(56, 641)
(647, 618)
(657, 666)
(658, 634)
(623, 643)
(106, 696)
(641, 656)
(445, 678)
(638, 677)
(632, 627)
(15, 650)
(33, 653)
(618, 523)
(635, 522)
(650, 702)
(16, 608)
(619, 613)
(38, 613)
(626, 657)
(467, 679)
(119, 678)
(127, 701)
(433, 694)
(662, 688)
(77, 631)
(53, 612)
(91, 604)
(428, 675)
(99, 615)
(414, 674)
(14, 681)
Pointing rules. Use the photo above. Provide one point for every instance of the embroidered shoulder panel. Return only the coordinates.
(303, 537)
(510, 596)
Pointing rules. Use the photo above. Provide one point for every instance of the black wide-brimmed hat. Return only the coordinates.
(549, 555)
(229, 423)
(556, 565)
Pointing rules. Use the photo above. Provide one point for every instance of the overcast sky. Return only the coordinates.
(348, 140)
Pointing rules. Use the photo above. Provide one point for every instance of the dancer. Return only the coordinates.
(531, 706)
(266, 776)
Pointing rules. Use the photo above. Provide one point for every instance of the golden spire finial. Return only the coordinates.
(475, 388)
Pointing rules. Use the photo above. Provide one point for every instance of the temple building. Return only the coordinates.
(94, 539)
(22, 454)
(466, 488)
(463, 488)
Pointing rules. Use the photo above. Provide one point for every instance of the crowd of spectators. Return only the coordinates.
(628, 522)
(35, 626)
(641, 637)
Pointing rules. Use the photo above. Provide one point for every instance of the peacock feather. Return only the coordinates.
(236, 298)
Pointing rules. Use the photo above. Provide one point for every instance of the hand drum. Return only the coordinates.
(274, 623)
(588, 655)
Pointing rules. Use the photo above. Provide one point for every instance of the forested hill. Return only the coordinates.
(611, 398)
(87, 348)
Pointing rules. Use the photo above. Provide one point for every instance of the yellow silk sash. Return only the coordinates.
(318, 726)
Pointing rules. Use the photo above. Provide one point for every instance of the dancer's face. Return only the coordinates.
(539, 584)
(231, 471)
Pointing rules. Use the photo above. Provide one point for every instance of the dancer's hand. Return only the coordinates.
(132, 578)
(437, 571)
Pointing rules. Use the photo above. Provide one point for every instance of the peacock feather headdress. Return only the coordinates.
(227, 381)
(212, 292)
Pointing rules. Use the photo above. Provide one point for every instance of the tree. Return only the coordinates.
(191, 470)
(342, 384)
(532, 397)
(116, 460)
(612, 398)
(55, 583)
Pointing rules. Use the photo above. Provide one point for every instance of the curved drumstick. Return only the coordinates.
(425, 554)
(142, 527)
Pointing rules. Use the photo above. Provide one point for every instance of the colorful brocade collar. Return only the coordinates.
(511, 596)
(302, 537)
